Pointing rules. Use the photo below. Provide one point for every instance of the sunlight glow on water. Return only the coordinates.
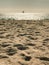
(26, 16)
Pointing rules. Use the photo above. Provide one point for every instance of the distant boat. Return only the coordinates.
(22, 11)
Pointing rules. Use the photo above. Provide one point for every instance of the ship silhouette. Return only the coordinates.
(22, 11)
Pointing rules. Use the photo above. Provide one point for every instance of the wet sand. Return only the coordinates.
(24, 42)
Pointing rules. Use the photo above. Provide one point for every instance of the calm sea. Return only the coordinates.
(25, 16)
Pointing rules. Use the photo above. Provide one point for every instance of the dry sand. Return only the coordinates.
(24, 42)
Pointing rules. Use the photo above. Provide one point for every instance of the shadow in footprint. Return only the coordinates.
(30, 44)
(5, 44)
(32, 38)
(26, 58)
(47, 39)
(17, 45)
(2, 56)
(43, 58)
(21, 47)
(2, 36)
(11, 51)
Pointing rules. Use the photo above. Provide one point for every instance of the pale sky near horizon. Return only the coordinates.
(31, 6)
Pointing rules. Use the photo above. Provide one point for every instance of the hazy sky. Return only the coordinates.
(26, 5)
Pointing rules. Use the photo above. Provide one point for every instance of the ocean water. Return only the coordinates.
(25, 16)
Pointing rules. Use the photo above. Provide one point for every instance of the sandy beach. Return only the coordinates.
(24, 42)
